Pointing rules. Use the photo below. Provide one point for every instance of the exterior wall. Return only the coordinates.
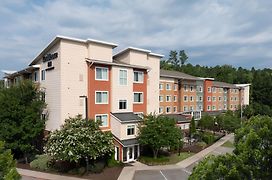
(199, 93)
(99, 52)
(233, 99)
(217, 98)
(164, 93)
(120, 129)
(141, 87)
(188, 104)
(207, 84)
(95, 85)
(74, 79)
(121, 92)
(52, 87)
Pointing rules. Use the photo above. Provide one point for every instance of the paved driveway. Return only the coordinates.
(177, 173)
(171, 174)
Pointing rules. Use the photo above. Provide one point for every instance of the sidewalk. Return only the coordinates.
(46, 176)
(128, 172)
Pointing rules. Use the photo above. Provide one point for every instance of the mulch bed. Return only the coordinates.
(107, 174)
(193, 148)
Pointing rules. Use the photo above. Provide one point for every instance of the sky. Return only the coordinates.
(212, 32)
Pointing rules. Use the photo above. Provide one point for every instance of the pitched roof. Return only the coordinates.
(179, 118)
(223, 84)
(177, 74)
(125, 117)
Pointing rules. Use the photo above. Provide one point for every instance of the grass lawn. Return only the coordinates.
(228, 144)
(163, 160)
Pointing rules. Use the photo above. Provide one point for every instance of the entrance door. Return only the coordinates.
(130, 153)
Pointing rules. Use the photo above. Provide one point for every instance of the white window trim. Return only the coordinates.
(191, 88)
(161, 86)
(209, 97)
(161, 100)
(138, 82)
(103, 115)
(186, 98)
(175, 107)
(142, 97)
(161, 107)
(102, 92)
(185, 89)
(166, 109)
(192, 100)
(175, 97)
(119, 77)
(170, 98)
(107, 73)
(175, 87)
(169, 86)
(185, 107)
(134, 130)
(119, 104)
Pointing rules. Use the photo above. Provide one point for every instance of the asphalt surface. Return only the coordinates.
(175, 174)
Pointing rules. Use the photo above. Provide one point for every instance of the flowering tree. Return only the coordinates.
(78, 139)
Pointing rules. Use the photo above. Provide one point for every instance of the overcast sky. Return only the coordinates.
(234, 32)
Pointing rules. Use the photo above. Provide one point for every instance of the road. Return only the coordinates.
(176, 173)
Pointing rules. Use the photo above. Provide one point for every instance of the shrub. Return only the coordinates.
(111, 162)
(7, 165)
(78, 139)
(152, 161)
(41, 162)
(77, 171)
(202, 144)
(97, 167)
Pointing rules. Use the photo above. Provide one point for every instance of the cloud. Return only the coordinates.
(211, 31)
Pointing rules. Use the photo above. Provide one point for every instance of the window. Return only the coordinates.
(122, 104)
(175, 98)
(231, 106)
(219, 98)
(43, 75)
(235, 98)
(191, 98)
(185, 98)
(130, 130)
(175, 109)
(209, 89)
(185, 88)
(160, 109)
(168, 109)
(200, 107)
(101, 97)
(175, 87)
(185, 108)
(214, 98)
(103, 118)
(225, 90)
(49, 64)
(138, 76)
(209, 98)
(209, 108)
(231, 98)
(161, 98)
(168, 98)
(101, 73)
(168, 86)
(225, 106)
(138, 97)
(191, 108)
(161, 86)
(123, 77)
(214, 108)
(214, 89)
(200, 88)
(235, 91)
(191, 88)
(35, 76)
(200, 98)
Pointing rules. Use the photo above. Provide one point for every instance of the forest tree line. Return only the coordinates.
(260, 79)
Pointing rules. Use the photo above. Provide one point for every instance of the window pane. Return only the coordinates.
(98, 73)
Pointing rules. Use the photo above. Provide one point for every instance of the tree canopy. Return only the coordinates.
(252, 158)
(77, 139)
(20, 117)
(158, 132)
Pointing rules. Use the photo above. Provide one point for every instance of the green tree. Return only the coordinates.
(182, 57)
(21, 125)
(253, 144)
(173, 59)
(77, 139)
(206, 122)
(231, 121)
(159, 131)
(7, 165)
(221, 167)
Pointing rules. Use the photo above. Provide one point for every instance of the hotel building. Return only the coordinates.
(84, 77)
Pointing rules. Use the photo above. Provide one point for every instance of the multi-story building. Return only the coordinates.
(71, 71)
(84, 77)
